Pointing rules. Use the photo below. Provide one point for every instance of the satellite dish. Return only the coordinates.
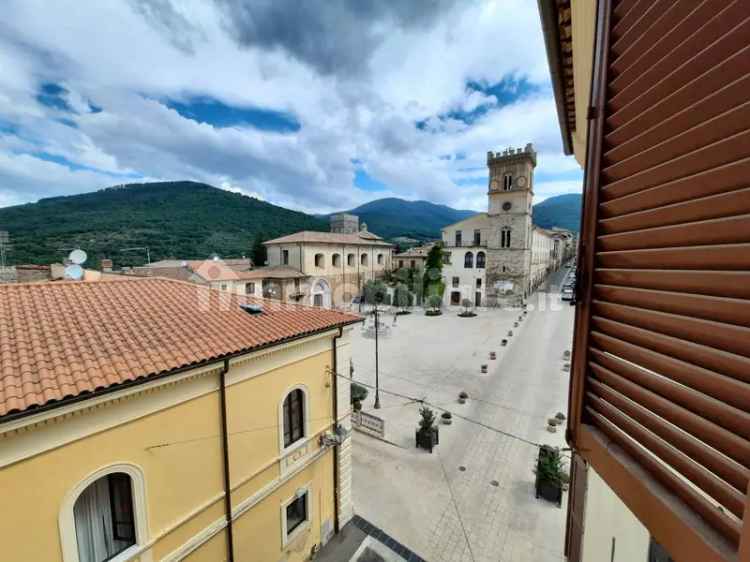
(78, 257)
(74, 272)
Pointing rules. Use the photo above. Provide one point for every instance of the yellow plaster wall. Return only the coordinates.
(179, 452)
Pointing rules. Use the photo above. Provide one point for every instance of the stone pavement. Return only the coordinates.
(478, 483)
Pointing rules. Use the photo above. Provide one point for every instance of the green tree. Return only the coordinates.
(402, 297)
(375, 291)
(260, 255)
(434, 302)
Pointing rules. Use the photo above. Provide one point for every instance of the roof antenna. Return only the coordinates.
(74, 270)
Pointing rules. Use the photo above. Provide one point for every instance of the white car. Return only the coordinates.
(567, 294)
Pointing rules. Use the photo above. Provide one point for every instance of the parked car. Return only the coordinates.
(568, 294)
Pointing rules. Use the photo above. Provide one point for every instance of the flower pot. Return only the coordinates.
(504, 342)
(550, 491)
(462, 400)
(552, 428)
(510, 333)
(493, 355)
(427, 439)
(515, 324)
(484, 369)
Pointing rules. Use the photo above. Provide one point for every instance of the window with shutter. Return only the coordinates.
(661, 365)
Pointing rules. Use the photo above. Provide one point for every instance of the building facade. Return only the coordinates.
(651, 101)
(413, 258)
(499, 257)
(336, 264)
(226, 439)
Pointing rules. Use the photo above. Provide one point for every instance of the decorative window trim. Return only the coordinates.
(305, 420)
(302, 527)
(66, 519)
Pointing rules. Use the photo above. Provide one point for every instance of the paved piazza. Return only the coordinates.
(478, 482)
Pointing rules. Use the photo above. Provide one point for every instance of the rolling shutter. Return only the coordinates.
(662, 358)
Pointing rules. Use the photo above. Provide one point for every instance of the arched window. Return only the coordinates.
(104, 516)
(480, 260)
(318, 260)
(468, 260)
(293, 416)
(363, 259)
(380, 259)
(505, 237)
(336, 260)
(350, 260)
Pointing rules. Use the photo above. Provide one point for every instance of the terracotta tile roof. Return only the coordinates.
(362, 238)
(65, 339)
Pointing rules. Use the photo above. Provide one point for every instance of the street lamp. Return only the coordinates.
(378, 298)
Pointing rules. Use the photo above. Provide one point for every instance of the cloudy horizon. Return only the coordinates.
(314, 106)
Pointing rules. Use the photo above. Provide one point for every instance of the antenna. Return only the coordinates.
(75, 271)
(140, 248)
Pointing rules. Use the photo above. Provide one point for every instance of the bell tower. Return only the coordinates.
(511, 187)
(509, 208)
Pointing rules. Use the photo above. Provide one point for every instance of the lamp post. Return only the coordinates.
(377, 378)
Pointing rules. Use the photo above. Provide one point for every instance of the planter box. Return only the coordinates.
(550, 491)
(427, 440)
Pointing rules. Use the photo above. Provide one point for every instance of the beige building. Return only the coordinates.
(413, 258)
(158, 420)
(335, 264)
(500, 256)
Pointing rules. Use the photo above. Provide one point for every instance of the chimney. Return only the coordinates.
(106, 265)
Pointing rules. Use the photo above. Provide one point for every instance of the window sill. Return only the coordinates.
(303, 528)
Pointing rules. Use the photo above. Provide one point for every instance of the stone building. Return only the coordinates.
(499, 257)
(413, 258)
(335, 264)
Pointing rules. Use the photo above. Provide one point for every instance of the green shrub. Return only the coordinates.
(358, 392)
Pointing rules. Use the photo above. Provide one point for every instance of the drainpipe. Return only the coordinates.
(335, 403)
(225, 450)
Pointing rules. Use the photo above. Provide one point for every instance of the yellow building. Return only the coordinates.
(152, 419)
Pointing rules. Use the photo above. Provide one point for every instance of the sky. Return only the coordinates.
(316, 106)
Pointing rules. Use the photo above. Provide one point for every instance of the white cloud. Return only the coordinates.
(362, 105)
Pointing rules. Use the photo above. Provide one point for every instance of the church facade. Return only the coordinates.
(499, 257)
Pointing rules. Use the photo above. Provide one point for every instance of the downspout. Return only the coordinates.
(225, 450)
(335, 403)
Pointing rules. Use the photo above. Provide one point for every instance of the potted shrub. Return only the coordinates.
(467, 312)
(462, 397)
(447, 418)
(356, 405)
(550, 474)
(402, 298)
(427, 435)
(358, 393)
(434, 302)
(484, 368)
(504, 342)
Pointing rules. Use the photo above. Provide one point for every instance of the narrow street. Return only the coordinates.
(473, 498)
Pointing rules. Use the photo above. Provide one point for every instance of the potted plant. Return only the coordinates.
(434, 302)
(462, 397)
(402, 298)
(357, 405)
(504, 342)
(467, 312)
(358, 393)
(447, 418)
(550, 474)
(427, 435)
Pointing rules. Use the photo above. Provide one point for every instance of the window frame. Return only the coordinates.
(480, 264)
(351, 260)
(458, 239)
(287, 535)
(469, 260)
(363, 260)
(319, 260)
(507, 182)
(283, 447)
(66, 518)
(336, 260)
(284, 257)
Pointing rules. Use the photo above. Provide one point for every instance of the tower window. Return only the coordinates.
(505, 237)
(507, 182)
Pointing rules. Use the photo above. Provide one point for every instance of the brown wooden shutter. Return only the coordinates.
(661, 365)
(576, 510)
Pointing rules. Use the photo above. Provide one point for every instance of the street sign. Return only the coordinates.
(369, 423)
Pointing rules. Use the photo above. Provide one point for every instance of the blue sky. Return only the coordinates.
(318, 106)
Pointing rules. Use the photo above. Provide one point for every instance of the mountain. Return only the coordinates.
(391, 217)
(173, 219)
(562, 210)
